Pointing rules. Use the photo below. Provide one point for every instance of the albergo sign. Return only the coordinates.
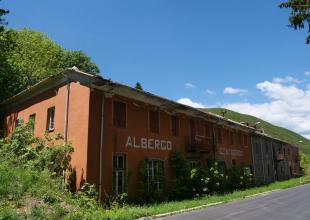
(148, 143)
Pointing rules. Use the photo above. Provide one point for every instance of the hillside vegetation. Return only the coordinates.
(273, 130)
(31, 182)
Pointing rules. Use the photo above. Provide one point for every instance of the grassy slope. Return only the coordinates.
(275, 131)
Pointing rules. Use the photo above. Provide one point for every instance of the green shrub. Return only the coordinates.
(9, 214)
(189, 183)
(21, 148)
(32, 184)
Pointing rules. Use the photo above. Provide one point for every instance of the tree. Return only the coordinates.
(300, 14)
(2, 20)
(138, 86)
(30, 56)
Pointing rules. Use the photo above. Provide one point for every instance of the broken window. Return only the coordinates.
(119, 173)
(119, 114)
(154, 121)
(50, 119)
(175, 125)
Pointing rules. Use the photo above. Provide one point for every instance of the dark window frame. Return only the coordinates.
(18, 122)
(32, 119)
(219, 136)
(175, 125)
(154, 121)
(155, 168)
(119, 175)
(50, 123)
(231, 137)
(119, 114)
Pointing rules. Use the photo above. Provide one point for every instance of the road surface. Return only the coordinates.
(289, 204)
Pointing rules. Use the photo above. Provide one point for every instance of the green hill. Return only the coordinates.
(275, 131)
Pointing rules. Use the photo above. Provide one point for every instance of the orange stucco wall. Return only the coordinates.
(239, 150)
(138, 126)
(84, 117)
(77, 120)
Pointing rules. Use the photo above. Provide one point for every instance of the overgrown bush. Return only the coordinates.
(190, 183)
(32, 184)
(21, 148)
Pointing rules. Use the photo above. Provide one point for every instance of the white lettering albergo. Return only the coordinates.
(148, 143)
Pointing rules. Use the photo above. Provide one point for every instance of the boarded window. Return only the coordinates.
(50, 126)
(32, 119)
(266, 148)
(192, 130)
(119, 114)
(245, 140)
(219, 136)
(119, 174)
(231, 134)
(239, 138)
(155, 175)
(175, 125)
(233, 161)
(154, 121)
(208, 130)
(257, 148)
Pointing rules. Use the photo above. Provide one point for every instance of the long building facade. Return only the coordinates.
(114, 128)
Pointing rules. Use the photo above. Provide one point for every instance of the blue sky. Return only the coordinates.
(188, 50)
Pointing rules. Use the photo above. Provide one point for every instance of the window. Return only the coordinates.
(192, 130)
(233, 161)
(155, 175)
(32, 119)
(154, 121)
(222, 166)
(18, 122)
(231, 137)
(119, 114)
(175, 125)
(247, 170)
(257, 146)
(245, 140)
(208, 130)
(192, 164)
(266, 148)
(219, 136)
(119, 173)
(239, 138)
(50, 119)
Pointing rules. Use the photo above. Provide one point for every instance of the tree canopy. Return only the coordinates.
(138, 86)
(2, 20)
(300, 14)
(29, 56)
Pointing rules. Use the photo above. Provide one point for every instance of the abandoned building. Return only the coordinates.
(113, 127)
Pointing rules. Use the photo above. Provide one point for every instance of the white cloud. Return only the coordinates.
(209, 92)
(287, 79)
(307, 73)
(189, 102)
(233, 91)
(189, 85)
(287, 106)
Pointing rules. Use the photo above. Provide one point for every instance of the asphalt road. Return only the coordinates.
(289, 204)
